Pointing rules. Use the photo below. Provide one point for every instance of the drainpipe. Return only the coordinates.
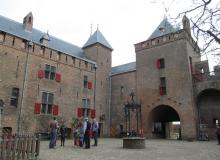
(109, 107)
(29, 43)
(94, 96)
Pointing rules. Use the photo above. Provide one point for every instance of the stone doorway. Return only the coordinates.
(165, 123)
(208, 103)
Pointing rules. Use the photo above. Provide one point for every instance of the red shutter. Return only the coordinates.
(79, 112)
(158, 64)
(58, 77)
(89, 85)
(55, 109)
(93, 113)
(41, 73)
(37, 108)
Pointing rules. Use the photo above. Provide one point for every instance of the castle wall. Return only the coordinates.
(121, 86)
(20, 65)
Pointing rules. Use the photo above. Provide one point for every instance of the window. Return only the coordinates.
(14, 97)
(86, 103)
(33, 47)
(42, 50)
(50, 72)
(122, 91)
(216, 121)
(59, 56)
(51, 53)
(13, 41)
(162, 85)
(191, 65)
(160, 63)
(74, 60)
(85, 82)
(86, 64)
(47, 103)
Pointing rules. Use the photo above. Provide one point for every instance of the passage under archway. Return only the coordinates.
(165, 123)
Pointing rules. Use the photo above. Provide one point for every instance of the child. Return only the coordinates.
(81, 135)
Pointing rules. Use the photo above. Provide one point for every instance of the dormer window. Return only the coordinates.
(45, 39)
(161, 29)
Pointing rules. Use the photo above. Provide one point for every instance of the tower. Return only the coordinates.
(99, 50)
(164, 80)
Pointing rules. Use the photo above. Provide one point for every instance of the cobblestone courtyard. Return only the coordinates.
(111, 149)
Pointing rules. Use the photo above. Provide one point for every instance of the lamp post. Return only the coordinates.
(1, 112)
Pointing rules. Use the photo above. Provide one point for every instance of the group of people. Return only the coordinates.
(82, 133)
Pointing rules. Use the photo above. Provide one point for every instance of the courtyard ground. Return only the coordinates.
(111, 149)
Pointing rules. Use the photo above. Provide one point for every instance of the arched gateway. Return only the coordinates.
(164, 122)
(208, 104)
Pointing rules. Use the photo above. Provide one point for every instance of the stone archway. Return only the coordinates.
(165, 122)
(208, 103)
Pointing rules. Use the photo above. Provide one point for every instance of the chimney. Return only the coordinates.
(186, 24)
(28, 22)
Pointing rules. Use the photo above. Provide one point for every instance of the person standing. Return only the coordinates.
(62, 134)
(87, 128)
(81, 134)
(95, 127)
(75, 132)
(53, 132)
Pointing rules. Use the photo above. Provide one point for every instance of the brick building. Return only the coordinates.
(175, 88)
(42, 76)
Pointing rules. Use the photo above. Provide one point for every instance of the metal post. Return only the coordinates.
(129, 121)
(23, 88)
(137, 119)
(140, 117)
(1, 112)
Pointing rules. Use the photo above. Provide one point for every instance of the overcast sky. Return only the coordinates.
(122, 22)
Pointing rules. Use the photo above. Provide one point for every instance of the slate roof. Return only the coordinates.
(124, 68)
(17, 29)
(97, 37)
(164, 28)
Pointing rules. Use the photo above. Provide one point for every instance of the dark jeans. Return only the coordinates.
(62, 138)
(87, 139)
(53, 136)
(95, 136)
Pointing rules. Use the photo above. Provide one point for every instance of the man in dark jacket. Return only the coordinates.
(87, 129)
(62, 134)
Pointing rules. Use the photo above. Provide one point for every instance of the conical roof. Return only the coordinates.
(97, 37)
(164, 28)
